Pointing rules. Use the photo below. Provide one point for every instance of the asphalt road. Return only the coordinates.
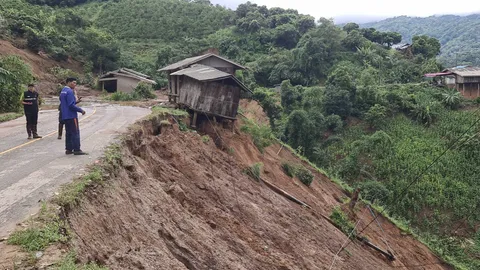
(32, 170)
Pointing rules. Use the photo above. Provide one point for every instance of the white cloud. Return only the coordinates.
(370, 8)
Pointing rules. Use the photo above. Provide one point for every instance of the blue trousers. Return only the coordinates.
(72, 134)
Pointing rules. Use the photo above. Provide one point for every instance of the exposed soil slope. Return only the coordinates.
(181, 203)
(40, 64)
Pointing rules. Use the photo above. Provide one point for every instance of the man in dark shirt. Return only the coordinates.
(30, 101)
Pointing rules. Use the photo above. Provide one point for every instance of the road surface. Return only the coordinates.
(32, 170)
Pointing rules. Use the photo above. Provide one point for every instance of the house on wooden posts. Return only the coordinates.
(466, 79)
(206, 85)
(123, 80)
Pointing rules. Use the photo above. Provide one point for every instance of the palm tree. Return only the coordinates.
(451, 98)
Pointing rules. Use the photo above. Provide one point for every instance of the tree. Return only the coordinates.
(354, 40)
(318, 50)
(426, 46)
(291, 96)
(298, 129)
(269, 103)
(349, 27)
(305, 23)
(286, 36)
(337, 101)
(100, 47)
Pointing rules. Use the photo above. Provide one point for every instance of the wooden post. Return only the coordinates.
(194, 120)
(478, 90)
(463, 85)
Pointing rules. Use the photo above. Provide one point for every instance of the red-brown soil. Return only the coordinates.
(179, 202)
(40, 65)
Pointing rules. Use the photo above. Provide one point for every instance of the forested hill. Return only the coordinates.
(458, 35)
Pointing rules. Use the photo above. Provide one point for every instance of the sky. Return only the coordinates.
(366, 8)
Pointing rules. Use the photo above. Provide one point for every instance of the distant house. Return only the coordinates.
(206, 84)
(404, 48)
(466, 79)
(123, 80)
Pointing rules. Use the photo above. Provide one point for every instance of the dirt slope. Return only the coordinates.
(40, 64)
(181, 203)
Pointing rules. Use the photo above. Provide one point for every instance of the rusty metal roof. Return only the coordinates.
(431, 75)
(192, 60)
(465, 71)
(206, 73)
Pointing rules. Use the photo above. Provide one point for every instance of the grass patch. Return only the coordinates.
(463, 254)
(334, 179)
(342, 221)
(44, 230)
(205, 139)
(163, 110)
(68, 263)
(71, 194)
(254, 171)
(261, 134)
(121, 96)
(4, 117)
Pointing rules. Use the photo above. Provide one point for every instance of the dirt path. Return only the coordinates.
(30, 171)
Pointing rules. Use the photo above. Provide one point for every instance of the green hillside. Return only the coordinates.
(458, 35)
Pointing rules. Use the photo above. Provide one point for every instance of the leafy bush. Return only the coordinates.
(426, 112)
(122, 96)
(376, 115)
(61, 74)
(289, 169)
(298, 170)
(374, 191)
(305, 175)
(144, 91)
(14, 74)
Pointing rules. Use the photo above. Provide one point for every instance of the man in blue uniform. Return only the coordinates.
(69, 113)
(30, 100)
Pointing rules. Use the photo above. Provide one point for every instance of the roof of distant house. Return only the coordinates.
(192, 60)
(401, 46)
(129, 73)
(431, 75)
(206, 73)
(465, 71)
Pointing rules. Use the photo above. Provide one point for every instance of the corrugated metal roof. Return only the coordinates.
(466, 71)
(127, 73)
(192, 60)
(205, 73)
(202, 73)
(401, 46)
